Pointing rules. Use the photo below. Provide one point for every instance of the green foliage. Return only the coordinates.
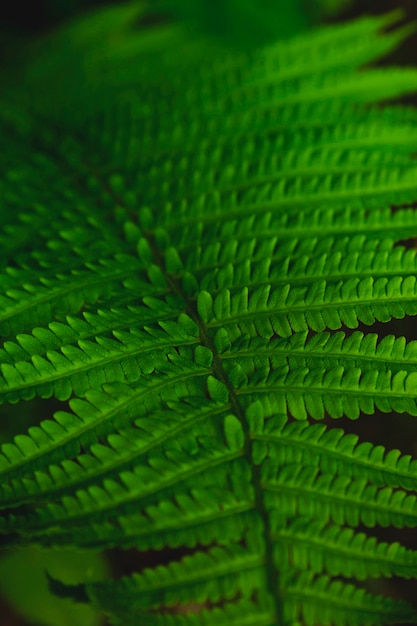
(190, 239)
(243, 21)
(249, 22)
(25, 570)
(331, 7)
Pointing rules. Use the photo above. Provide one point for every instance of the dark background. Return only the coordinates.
(23, 17)
(26, 18)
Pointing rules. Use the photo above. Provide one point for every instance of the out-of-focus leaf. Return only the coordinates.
(24, 584)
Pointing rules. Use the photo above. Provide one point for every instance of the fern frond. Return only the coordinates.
(209, 224)
(302, 603)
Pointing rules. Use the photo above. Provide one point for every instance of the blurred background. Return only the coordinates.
(254, 21)
(40, 15)
(268, 18)
(43, 14)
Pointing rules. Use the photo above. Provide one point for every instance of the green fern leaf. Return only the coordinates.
(212, 228)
